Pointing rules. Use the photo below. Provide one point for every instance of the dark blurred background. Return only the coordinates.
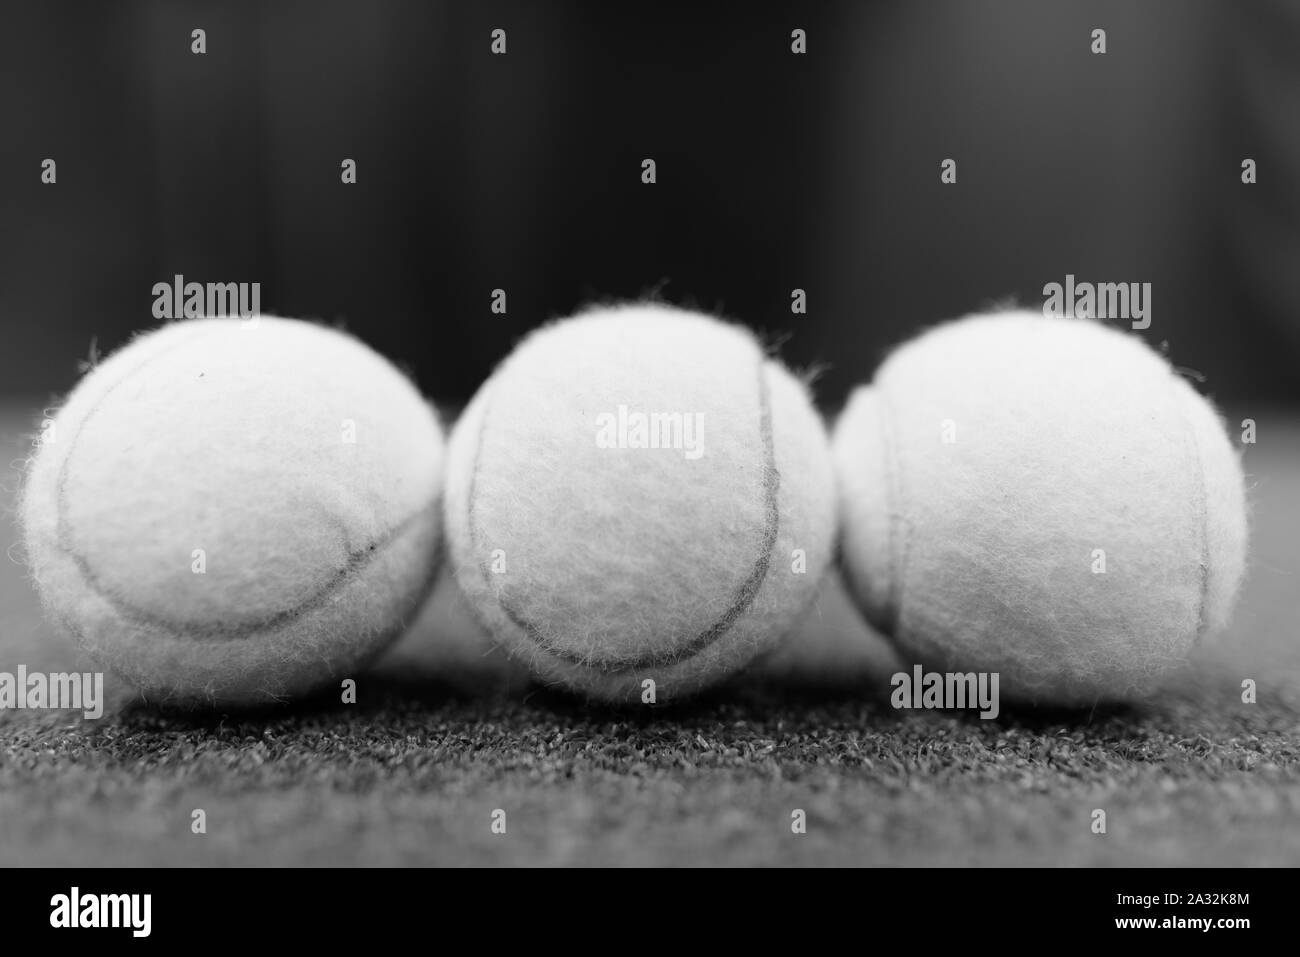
(775, 171)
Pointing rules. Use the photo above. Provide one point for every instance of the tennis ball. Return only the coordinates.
(232, 512)
(639, 494)
(1042, 498)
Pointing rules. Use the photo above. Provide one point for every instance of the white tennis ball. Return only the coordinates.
(607, 564)
(230, 512)
(1042, 498)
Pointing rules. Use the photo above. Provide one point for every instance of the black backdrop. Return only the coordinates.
(775, 171)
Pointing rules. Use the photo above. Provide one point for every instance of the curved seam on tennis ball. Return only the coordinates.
(356, 560)
(356, 563)
(281, 618)
(771, 478)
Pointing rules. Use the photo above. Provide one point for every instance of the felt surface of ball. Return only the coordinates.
(604, 563)
(235, 512)
(1043, 498)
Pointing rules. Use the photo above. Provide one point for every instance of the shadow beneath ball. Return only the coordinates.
(752, 699)
(377, 695)
(1038, 717)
